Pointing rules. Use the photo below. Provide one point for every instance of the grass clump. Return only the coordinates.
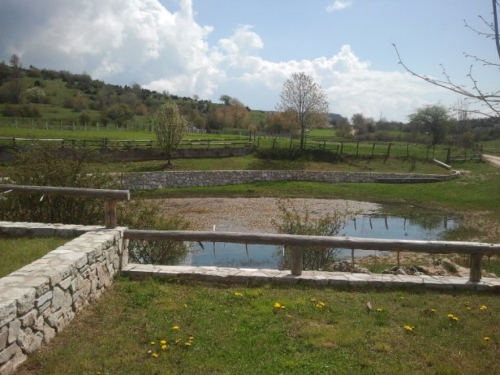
(149, 327)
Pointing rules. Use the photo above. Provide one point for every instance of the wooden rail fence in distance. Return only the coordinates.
(474, 249)
(110, 197)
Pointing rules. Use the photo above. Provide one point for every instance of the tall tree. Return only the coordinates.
(304, 103)
(433, 119)
(170, 127)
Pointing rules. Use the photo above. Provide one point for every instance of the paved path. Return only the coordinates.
(317, 278)
(495, 160)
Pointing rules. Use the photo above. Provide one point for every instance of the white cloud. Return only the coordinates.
(338, 5)
(125, 41)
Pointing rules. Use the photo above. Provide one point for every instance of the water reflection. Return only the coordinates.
(266, 256)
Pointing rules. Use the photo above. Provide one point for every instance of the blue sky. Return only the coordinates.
(248, 48)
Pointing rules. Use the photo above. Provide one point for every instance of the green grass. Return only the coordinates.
(250, 162)
(246, 334)
(18, 252)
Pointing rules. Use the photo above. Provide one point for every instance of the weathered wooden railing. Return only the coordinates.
(474, 249)
(110, 197)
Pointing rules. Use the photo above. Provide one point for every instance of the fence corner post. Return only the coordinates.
(475, 267)
(110, 212)
(297, 263)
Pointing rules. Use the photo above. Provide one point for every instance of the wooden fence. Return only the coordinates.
(128, 143)
(296, 244)
(110, 197)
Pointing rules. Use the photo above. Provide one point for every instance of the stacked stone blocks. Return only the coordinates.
(183, 179)
(40, 300)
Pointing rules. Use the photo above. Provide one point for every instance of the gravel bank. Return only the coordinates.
(252, 214)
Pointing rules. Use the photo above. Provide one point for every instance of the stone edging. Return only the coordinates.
(317, 278)
(183, 179)
(40, 299)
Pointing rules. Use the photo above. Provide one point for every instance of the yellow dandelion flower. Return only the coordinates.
(187, 344)
(318, 305)
(455, 318)
(153, 343)
(433, 310)
(322, 303)
(486, 338)
(469, 308)
(380, 310)
(163, 342)
(450, 316)
(237, 294)
(185, 305)
(178, 341)
(191, 337)
(175, 327)
(164, 347)
(402, 297)
(282, 306)
(289, 316)
(408, 328)
(277, 305)
(154, 355)
(483, 308)
(314, 300)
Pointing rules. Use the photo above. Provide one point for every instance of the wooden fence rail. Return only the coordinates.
(110, 197)
(474, 249)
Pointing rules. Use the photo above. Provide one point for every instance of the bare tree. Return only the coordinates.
(304, 103)
(170, 127)
(489, 101)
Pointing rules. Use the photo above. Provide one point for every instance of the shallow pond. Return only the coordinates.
(269, 256)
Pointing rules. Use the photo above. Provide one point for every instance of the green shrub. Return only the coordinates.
(292, 221)
(55, 166)
(144, 214)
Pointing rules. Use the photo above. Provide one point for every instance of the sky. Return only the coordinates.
(248, 48)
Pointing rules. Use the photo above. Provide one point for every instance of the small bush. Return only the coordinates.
(294, 222)
(50, 166)
(143, 214)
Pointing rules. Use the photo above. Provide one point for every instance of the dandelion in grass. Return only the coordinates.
(486, 338)
(380, 310)
(153, 343)
(187, 344)
(175, 327)
(178, 341)
(277, 305)
(289, 316)
(433, 310)
(408, 328)
(191, 337)
(163, 342)
(238, 294)
(154, 355)
(314, 300)
(450, 316)
(455, 319)
(185, 305)
(164, 347)
(483, 308)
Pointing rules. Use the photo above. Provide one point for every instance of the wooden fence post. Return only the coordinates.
(475, 267)
(297, 263)
(110, 209)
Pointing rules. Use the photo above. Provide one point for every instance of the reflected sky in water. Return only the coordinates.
(267, 256)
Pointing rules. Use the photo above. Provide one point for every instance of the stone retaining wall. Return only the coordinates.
(40, 299)
(182, 179)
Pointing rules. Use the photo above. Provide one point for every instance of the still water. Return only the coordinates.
(268, 256)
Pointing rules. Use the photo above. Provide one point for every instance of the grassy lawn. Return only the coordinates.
(17, 252)
(151, 327)
(250, 162)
